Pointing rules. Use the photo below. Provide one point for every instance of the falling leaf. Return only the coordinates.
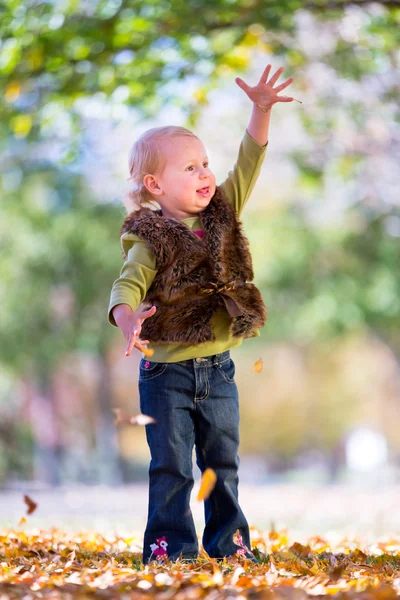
(258, 365)
(143, 419)
(123, 417)
(30, 503)
(146, 351)
(22, 521)
(207, 484)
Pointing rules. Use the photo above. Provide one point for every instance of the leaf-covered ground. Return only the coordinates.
(57, 564)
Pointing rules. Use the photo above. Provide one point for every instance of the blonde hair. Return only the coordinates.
(147, 157)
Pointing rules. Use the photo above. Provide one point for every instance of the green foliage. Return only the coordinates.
(61, 251)
(326, 281)
(57, 54)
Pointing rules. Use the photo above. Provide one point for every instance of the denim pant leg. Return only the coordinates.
(166, 394)
(217, 444)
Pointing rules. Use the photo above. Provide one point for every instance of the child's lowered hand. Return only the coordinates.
(131, 329)
(264, 94)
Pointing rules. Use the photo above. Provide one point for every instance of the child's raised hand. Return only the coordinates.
(132, 328)
(264, 94)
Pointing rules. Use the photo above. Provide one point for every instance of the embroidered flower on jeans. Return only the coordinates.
(159, 550)
(147, 364)
(238, 540)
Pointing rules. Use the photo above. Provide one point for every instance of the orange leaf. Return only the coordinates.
(208, 481)
(258, 365)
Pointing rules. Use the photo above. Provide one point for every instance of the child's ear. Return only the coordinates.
(151, 185)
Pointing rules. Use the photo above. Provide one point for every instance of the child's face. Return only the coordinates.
(186, 171)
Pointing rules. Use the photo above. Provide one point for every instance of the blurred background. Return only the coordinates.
(80, 82)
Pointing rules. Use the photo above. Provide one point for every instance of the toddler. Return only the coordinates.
(185, 288)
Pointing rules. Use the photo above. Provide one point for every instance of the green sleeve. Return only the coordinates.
(137, 274)
(241, 180)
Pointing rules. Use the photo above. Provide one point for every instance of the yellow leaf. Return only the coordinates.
(207, 484)
(146, 351)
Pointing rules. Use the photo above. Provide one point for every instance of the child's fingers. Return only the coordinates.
(283, 85)
(275, 76)
(264, 76)
(242, 84)
(145, 351)
(145, 312)
(287, 99)
(131, 343)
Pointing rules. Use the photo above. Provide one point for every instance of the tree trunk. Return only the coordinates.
(48, 450)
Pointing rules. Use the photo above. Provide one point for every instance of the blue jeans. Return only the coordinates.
(194, 402)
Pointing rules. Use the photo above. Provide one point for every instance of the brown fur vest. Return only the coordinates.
(196, 277)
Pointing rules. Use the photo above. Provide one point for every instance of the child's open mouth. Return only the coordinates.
(205, 191)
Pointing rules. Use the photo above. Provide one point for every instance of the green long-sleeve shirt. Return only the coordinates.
(139, 268)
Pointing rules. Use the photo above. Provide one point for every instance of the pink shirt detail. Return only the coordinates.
(199, 232)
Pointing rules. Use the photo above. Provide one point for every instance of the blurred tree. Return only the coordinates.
(58, 255)
(136, 52)
(327, 280)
